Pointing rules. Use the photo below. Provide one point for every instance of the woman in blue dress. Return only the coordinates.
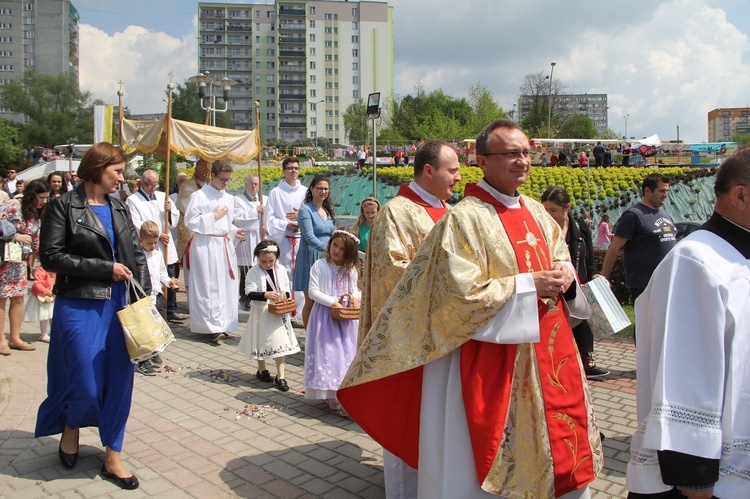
(316, 224)
(88, 239)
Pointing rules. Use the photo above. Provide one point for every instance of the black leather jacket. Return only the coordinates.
(581, 249)
(74, 244)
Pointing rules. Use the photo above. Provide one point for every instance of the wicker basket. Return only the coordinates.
(283, 306)
(345, 313)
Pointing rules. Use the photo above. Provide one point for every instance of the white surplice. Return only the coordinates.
(246, 217)
(142, 210)
(693, 329)
(214, 294)
(281, 200)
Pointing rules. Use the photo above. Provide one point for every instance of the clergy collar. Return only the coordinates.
(511, 202)
(430, 199)
(737, 236)
(289, 186)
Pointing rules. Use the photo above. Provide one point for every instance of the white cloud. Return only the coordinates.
(141, 59)
(661, 62)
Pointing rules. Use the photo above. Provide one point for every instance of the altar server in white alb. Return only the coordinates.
(693, 328)
(247, 211)
(210, 256)
(281, 218)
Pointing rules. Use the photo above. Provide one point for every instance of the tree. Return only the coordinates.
(742, 139)
(11, 155)
(537, 119)
(57, 111)
(577, 127)
(355, 123)
(486, 110)
(186, 106)
(609, 134)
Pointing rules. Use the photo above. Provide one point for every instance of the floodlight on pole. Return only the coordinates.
(373, 112)
(549, 102)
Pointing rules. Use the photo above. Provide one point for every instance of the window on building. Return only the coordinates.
(270, 77)
(29, 34)
(329, 57)
(328, 16)
(313, 106)
(355, 52)
(312, 23)
(312, 64)
(355, 66)
(270, 103)
(329, 98)
(311, 10)
(355, 38)
(313, 93)
(270, 90)
(355, 26)
(270, 39)
(312, 50)
(355, 12)
(329, 113)
(271, 14)
(355, 80)
(329, 43)
(329, 84)
(257, 39)
(355, 94)
(270, 116)
(312, 37)
(312, 78)
(271, 52)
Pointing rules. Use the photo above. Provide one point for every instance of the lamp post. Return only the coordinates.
(205, 79)
(626, 126)
(549, 115)
(373, 112)
(314, 106)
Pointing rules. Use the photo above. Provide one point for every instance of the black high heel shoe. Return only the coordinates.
(67, 460)
(129, 483)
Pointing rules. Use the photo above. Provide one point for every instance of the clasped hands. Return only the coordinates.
(550, 283)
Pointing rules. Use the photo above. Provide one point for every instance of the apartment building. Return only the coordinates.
(40, 35)
(593, 106)
(305, 62)
(725, 123)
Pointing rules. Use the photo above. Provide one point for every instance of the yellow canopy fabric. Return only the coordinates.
(189, 139)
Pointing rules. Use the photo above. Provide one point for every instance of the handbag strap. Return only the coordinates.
(132, 281)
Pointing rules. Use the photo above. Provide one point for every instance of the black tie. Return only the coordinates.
(253, 198)
(151, 197)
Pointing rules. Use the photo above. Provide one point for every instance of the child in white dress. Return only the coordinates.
(267, 335)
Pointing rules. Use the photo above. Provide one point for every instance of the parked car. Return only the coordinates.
(687, 227)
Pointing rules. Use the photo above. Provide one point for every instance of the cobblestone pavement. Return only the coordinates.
(206, 427)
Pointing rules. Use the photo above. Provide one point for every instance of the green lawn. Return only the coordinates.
(627, 333)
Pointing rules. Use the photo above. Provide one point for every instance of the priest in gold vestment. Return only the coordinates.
(396, 235)
(470, 372)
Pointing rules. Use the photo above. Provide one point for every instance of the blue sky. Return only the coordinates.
(662, 62)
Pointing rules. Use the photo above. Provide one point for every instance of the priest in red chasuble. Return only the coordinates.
(470, 372)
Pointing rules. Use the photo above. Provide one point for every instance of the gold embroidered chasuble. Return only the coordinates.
(460, 279)
(395, 236)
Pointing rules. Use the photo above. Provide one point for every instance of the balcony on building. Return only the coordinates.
(291, 11)
(297, 112)
(292, 68)
(292, 96)
(289, 40)
(235, 26)
(293, 26)
(292, 53)
(294, 82)
(292, 124)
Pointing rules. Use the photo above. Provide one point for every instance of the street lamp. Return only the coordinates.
(205, 79)
(513, 113)
(549, 115)
(373, 112)
(626, 126)
(314, 106)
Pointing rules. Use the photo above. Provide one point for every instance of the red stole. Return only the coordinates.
(487, 370)
(435, 213)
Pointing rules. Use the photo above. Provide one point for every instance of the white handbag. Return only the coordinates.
(146, 332)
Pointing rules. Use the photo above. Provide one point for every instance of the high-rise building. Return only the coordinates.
(726, 123)
(39, 35)
(305, 62)
(594, 106)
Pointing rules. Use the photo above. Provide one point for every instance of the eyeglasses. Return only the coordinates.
(223, 180)
(294, 168)
(323, 189)
(512, 155)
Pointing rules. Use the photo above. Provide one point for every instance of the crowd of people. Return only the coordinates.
(469, 319)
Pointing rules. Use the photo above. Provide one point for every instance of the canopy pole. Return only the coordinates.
(256, 104)
(167, 212)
